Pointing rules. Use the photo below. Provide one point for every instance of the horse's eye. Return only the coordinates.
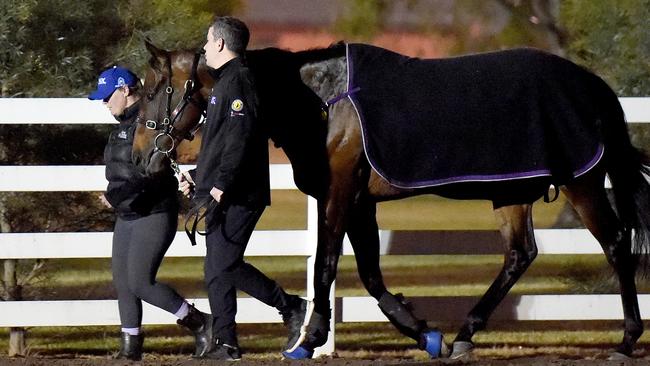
(150, 96)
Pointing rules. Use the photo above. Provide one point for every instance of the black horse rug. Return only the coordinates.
(488, 117)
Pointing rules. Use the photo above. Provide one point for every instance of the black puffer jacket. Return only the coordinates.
(129, 191)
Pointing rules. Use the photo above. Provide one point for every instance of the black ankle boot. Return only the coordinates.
(130, 347)
(200, 324)
(400, 314)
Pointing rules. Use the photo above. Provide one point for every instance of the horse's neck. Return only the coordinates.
(304, 141)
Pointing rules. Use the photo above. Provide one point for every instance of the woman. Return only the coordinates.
(147, 214)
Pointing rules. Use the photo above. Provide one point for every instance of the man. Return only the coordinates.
(233, 170)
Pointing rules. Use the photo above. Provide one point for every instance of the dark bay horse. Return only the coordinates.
(324, 142)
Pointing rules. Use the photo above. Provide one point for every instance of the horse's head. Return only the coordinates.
(176, 88)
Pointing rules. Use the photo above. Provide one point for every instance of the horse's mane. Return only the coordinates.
(320, 54)
(298, 58)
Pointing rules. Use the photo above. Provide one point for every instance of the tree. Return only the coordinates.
(611, 38)
(56, 56)
(362, 19)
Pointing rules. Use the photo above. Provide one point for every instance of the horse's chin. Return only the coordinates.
(158, 164)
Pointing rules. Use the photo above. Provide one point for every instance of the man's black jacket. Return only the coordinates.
(129, 191)
(234, 154)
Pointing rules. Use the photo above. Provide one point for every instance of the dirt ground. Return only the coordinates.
(184, 361)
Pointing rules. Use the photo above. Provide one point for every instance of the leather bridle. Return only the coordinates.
(166, 126)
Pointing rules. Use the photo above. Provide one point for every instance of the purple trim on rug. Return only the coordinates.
(350, 70)
(358, 112)
(491, 178)
(592, 163)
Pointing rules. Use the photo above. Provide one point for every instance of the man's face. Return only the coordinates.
(116, 103)
(212, 48)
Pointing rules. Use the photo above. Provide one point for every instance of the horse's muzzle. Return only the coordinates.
(158, 164)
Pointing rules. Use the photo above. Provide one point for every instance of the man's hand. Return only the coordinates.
(216, 194)
(186, 184)
(104, 201)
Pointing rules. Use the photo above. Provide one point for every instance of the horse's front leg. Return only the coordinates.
(331, 217)
(332, 221)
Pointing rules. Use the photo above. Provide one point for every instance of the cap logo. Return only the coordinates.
(120, 82)
(101, 81)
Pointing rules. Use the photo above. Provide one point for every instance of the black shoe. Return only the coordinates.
(294, 321)
(200, 324)
(130, 347)
(223, 352)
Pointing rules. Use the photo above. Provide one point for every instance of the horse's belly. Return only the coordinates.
(502, 193)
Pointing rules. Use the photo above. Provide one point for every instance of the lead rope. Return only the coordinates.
(195, 215)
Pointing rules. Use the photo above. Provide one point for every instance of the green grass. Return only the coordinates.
(422, 275)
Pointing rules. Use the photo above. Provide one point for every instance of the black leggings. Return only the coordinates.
(138, 249)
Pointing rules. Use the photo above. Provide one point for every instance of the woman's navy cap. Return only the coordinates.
(111, 79)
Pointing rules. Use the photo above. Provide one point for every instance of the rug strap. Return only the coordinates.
(341, 96)
(547, 198)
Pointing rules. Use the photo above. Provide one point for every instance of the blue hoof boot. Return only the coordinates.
(433, 343)
(299, 353)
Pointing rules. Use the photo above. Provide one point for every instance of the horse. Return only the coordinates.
(309, 111)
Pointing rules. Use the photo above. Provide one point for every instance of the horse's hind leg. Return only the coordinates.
(364, 237)
(588, 197)
(515, 224)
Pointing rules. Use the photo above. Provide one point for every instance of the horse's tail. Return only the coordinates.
(627, 168)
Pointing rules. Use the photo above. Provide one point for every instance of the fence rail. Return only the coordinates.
(263, 242)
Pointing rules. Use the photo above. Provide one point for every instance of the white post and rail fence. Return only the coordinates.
(263, 243)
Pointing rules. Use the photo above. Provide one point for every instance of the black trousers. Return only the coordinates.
(226, 271)
(138, 249)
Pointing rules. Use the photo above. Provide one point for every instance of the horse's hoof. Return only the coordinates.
(461, 350)
(300, 353)
(433, 343)
(617, 356)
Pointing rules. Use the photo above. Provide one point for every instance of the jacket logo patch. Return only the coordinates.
(213, 100)
(237, 105)
(122, 135)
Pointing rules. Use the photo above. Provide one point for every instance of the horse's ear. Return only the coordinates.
(158, 56)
